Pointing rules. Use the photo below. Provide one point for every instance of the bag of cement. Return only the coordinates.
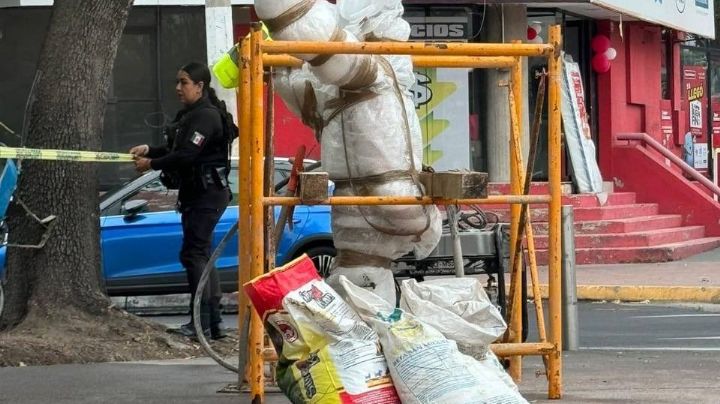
(425, 366)
(327, 354)
(457, 307)
(460, 309)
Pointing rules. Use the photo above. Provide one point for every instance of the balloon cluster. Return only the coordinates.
(604, 53)
(533, 33)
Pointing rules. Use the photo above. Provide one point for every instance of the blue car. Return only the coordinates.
(141, 236)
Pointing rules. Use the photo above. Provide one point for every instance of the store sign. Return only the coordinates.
(447, 29)
(694, 16)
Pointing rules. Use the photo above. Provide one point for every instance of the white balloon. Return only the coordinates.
(538, 39)
(537, 27)
(611, 53)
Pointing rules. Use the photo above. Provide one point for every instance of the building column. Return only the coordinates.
(219, 38)
(502, 24)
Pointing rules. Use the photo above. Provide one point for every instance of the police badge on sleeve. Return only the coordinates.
(198, 139)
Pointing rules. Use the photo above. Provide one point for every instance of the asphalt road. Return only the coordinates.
(637, 326)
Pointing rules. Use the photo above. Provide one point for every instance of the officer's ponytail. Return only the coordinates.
(199, 72)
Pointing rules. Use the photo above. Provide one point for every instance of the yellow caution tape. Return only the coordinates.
(64, 155)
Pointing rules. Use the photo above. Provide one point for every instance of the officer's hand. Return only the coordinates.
(140, 150)
(142, 164)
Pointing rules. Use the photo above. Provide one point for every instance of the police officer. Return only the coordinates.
(195, 161)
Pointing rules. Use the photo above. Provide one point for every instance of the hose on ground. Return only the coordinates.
(245, 324)
(198, 298)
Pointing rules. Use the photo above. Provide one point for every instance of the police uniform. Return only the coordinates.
(195, 160)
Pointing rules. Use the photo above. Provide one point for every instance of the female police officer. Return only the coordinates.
(195, 160)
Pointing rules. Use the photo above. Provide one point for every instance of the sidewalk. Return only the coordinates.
(590, 377)
(695, 279)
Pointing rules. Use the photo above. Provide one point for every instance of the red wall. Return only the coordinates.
(630, 94)
(630, 100)
(640, 171)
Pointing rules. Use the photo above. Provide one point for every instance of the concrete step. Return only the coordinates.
(638, 239)
(592, 200)
(536, 188)
(628, 225)
(623, 255)
(591, 213)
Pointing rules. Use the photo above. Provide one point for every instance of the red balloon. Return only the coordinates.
(600, 43)
(600, 63)
(531, 33)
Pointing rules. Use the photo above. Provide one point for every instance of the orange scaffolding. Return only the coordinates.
(257, 54)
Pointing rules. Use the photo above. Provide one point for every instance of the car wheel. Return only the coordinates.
(323, 257)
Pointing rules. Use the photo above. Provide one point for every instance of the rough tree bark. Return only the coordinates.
(76, 66)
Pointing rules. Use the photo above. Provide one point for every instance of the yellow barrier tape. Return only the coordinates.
(64, 155)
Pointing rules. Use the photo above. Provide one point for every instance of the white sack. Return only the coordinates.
(460, 309)
(425, 366)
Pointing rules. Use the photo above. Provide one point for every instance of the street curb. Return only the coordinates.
(636, 293)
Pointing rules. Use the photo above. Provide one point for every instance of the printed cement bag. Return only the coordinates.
(460, 309)
(327, 354)
(425, 366)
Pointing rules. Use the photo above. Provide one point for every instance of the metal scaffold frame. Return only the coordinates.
(257, 54)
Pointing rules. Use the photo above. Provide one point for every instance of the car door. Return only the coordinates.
(140, 251)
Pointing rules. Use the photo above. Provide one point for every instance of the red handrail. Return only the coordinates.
(644, 137)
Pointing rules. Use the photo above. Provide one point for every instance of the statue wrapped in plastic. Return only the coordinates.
(363, 114)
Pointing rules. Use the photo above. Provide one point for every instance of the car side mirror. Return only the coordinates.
(130, 209)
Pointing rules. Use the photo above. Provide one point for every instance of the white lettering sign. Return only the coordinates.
(695, 16)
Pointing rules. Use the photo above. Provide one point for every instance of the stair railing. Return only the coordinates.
(654, 144)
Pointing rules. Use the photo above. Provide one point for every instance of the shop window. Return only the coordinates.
(666, 63)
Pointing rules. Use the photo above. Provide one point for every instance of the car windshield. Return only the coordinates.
(117, 188)
(149, 188)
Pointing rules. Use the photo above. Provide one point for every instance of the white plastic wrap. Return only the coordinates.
(460, 309)
(425, 366)
(382, 19)
(378, 135)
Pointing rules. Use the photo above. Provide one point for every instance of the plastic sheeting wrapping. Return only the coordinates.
(378, 135)
(427, 367)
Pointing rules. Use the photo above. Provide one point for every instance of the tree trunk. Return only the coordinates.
(76, 65)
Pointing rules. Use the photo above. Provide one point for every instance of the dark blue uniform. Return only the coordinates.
(196, 160)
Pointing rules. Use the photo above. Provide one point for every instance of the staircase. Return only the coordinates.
(619, 231)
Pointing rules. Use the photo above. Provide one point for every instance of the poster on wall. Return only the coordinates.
(578, 137)
(441, 95)
(694, 79)
(441, 103)
(700, 156)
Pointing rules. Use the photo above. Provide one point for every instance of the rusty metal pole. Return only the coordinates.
(554, 250)
(243, 154)
(257, 234)
(407, 48)
(516, 185)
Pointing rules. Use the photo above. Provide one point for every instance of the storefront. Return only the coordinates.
(664, 81)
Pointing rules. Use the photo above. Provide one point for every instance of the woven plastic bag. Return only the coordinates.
(327, 354)
(425, 366)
